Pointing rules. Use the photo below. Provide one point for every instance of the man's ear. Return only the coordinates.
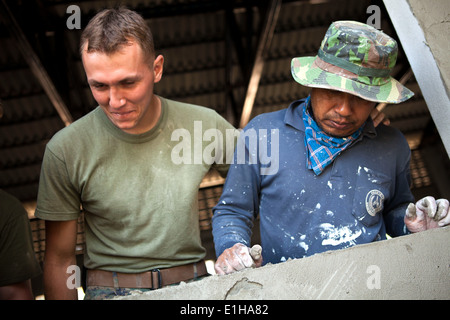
(158, 66)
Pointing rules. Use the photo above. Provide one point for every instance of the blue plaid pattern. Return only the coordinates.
(321, 148)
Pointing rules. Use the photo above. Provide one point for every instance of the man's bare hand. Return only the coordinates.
(238, 257)
(427, 213)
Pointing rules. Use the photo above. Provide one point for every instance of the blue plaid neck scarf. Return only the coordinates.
(321, 148)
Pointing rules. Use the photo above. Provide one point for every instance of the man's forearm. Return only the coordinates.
(394, 221)
(55, 280)
(60, 242)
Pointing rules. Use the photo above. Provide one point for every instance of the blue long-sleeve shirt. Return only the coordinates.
(357, 199)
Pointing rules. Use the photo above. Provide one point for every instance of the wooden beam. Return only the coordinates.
(263, 45)
(34, 63)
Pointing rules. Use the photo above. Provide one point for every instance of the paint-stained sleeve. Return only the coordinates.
(395, 210)
(234, 214)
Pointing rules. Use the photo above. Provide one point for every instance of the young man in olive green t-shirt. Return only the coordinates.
(134, 165)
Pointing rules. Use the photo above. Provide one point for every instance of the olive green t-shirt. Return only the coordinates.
(17, 259)
(138, 192)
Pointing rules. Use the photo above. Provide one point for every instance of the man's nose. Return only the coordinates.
(344, 106)
(116, 99)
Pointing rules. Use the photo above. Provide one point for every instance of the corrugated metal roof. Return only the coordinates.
(202, 67)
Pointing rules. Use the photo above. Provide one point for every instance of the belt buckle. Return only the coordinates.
(158, 277)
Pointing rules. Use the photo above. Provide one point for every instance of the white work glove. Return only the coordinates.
(238, 257)
(427, 213)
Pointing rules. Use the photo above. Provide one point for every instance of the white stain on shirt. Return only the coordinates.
(369, 172)
(334, 236)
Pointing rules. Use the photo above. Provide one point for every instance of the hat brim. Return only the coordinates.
(307, 73)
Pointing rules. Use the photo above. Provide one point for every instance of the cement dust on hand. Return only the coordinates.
(255, 252)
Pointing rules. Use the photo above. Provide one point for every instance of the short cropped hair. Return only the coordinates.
(111, 29)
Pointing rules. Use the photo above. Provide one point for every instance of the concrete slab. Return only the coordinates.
(410, 267)
(423, 28)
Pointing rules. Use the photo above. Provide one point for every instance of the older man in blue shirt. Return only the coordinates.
(332, 179)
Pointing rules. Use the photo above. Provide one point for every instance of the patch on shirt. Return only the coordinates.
(374, 202)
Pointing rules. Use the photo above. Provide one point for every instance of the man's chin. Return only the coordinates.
(338, 134)
(126, 126)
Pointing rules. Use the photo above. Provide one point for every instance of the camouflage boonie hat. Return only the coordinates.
(353, 58)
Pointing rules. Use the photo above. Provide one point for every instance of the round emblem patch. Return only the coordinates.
(374, 202)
